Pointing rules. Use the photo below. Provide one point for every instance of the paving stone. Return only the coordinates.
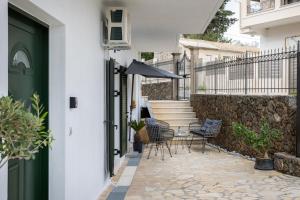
(212, 175)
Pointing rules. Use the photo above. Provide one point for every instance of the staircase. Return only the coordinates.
(176, 113)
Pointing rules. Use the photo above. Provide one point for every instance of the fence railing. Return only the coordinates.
(181, 67)
(264, 73)
(286, 2)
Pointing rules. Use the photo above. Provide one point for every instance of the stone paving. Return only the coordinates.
(211, 175)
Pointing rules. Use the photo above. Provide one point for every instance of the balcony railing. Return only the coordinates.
(260, 6)
(287, 2)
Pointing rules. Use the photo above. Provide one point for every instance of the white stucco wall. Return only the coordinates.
(76, 168)
(3, 80)
(275, 37)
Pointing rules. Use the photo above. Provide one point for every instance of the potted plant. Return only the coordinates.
(137, 126)
(261, 142)
(22, 131)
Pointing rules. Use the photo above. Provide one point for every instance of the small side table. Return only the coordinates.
(181, 137)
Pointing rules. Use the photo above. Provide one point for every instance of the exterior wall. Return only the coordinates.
(76, 168)
(158, 91)
(274, 25)
(3, 80)
(273, 15)
(275, 37)
(280, 111)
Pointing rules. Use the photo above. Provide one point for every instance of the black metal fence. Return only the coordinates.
(184, 84)
(263, 73)
(181, 67)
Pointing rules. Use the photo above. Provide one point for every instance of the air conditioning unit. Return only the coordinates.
(116, 29)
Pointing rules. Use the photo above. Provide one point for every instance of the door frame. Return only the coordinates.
(123, 143)
(57, 90)
(23, 16)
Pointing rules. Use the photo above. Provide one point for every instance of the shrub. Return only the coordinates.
(137, 126)
(22, 132)
(261, 142)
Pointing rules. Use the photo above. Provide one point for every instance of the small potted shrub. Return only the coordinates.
(22, 131)
(261, 142)
(137, 126)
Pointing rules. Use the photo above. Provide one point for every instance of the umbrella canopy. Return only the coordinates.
(148, 71)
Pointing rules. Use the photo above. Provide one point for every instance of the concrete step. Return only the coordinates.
(174, 115)
(169, 104)
(169, 110)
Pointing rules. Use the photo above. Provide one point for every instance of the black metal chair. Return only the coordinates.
(159, 135)
(209, 130)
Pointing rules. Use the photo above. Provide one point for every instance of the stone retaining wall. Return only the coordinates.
(287, 164)
(280, 111)
(158, 91)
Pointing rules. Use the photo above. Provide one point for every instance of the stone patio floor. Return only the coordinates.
(211, 175)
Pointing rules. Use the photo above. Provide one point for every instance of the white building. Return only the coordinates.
(55, 48)
(276, 21)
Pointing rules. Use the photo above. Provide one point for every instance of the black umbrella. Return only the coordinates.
(148, 71)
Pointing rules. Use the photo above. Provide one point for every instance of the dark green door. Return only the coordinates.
(110, 114)
(124, 111)
(28, 73)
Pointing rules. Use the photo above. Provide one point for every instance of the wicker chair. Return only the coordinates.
(209, 130)
(159, 135)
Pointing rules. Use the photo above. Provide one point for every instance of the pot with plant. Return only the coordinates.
(137, 126)
(261, 142)
(22, 131)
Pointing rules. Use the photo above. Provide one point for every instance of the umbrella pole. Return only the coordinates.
(131, 106)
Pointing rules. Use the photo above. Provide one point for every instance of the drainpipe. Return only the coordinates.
(176, 57)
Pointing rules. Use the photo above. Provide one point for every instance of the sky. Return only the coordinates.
(234, 31)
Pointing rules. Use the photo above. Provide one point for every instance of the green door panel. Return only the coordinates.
(110, 114)
(27, 73)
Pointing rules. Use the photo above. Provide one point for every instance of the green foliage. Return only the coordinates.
(217, 27)
(135, 125)
(202, 87)
(22, 132)
(260, 142)
(147, 55)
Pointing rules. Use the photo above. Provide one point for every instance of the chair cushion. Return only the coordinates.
(150, 121)
(211, 126)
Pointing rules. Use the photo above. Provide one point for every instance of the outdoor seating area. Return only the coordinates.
(161, 135)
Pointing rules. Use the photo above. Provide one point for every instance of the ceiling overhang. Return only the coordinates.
(157, 24)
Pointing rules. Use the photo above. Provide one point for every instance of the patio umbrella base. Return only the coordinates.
(264, 164)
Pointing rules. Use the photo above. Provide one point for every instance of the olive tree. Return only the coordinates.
(23, 132)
